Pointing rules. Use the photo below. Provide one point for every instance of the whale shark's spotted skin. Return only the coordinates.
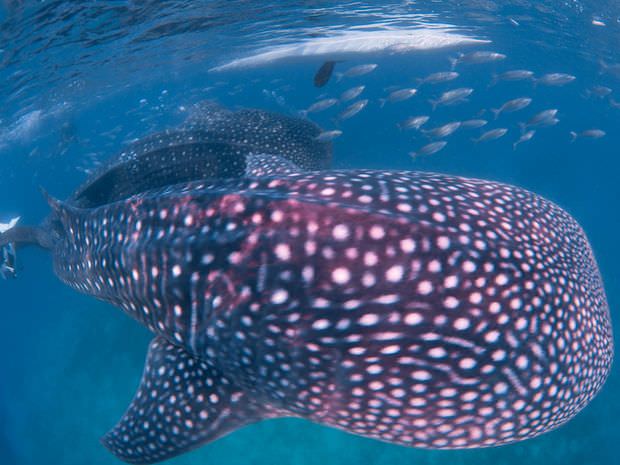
(214, 143)
(419, 309)
(287, 136)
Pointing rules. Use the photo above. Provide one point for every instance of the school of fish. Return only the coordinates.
(433, 140)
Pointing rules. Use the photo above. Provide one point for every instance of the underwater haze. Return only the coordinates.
(520, 92)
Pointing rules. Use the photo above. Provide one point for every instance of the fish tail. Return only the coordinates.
(382, 102)
(573, 136)
(8, 258)
(496, 112)
(475, 140)
(19, 236)
(303, 113)
(413, 155)
(514, 146)
(433, 103)
(522, 127)
(494, 80)
(338, 76)
(453, 62)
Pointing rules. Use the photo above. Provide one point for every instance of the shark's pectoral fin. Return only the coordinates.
(181, 404)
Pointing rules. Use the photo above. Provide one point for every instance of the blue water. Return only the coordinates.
(81, 79)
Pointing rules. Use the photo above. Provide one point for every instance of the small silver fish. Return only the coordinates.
(353, 109)
(610, 68)
(351, 93)
(399, 95)
(443, 131)
(511, 106)
(429, 149)
(598, 91)
(326, 136)
(473, 123)
(475, 58)
(587, 134)
(541, 118)
(414, 122)
(492, 134)
(322, 105)
(526, 136)
(359, 70)
(512, 75)
(452, 97)
(436, 78)
(555, 79)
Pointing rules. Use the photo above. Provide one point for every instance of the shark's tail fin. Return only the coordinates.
(11, 238)
(7, 250)
(454, 61)
(573, 136)
(7, 261)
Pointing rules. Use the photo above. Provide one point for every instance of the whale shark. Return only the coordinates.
(214, 142)
(415, 308)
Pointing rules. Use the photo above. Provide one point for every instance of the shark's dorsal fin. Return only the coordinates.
(181, 404)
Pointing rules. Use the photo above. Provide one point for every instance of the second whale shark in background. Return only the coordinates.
(214, 142)
(420, 309)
